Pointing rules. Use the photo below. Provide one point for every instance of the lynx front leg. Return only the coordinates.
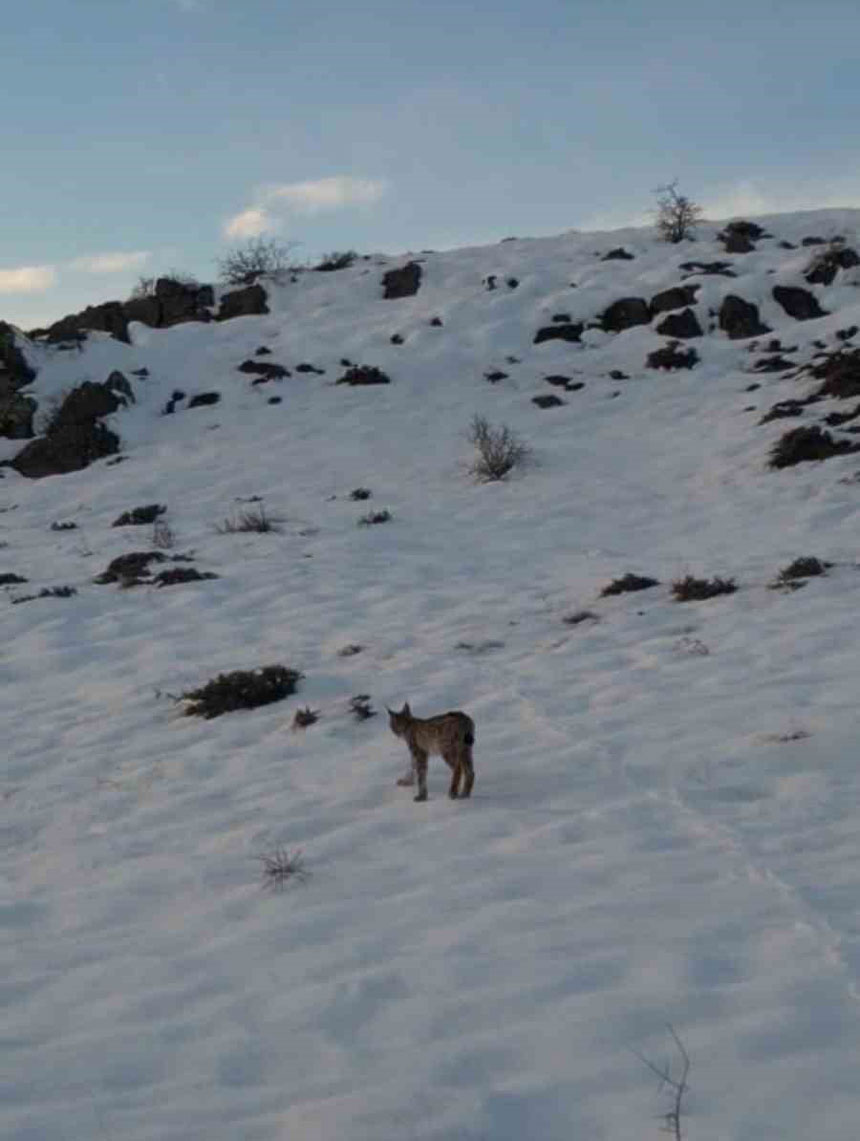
(421, 773)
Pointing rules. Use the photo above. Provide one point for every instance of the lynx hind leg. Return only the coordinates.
(452, 759)
(469, 772)
(421, 773)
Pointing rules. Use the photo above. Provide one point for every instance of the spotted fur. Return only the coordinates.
(449, 735)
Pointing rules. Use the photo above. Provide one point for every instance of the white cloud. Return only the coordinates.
(111, 263)
(336, 193)
(326, 193)
(27, 279)
(250, 223)
(751, 196)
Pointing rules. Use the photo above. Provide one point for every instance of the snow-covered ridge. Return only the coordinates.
(664, 825)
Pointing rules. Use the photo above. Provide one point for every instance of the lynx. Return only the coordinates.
(451, 735)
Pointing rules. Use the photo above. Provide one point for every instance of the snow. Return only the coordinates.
(665, 824)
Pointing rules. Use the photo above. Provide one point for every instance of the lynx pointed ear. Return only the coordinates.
(407, 710)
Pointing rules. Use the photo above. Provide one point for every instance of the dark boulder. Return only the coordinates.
(16, 416)
(107, 318)
(625, 314)
(798, 303)
(75, 436)
(670, 357)
(678, 297)
(720, 268)
(682, 325)
(69, 449)
(264, 370)
(825, 265)
(618, 254)
(558, 332)
(364, 374)
(740, 319)
(15, 372)
(403, 282)
(246, 302)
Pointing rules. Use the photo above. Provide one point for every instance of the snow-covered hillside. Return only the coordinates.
(665, 827)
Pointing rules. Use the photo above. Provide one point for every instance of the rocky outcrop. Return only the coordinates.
(171, 302)
(403, 282)
(16, 410)
(107, 318)
(75, 435)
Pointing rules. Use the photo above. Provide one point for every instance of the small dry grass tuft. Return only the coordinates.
(305, 717)
(281, 867)
(253, 519)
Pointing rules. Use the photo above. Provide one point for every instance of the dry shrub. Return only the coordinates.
(241, 689)
(499, 450)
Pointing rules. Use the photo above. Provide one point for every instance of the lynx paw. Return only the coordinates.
(421, 796)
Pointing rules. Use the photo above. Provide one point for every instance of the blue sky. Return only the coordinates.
(147, 135)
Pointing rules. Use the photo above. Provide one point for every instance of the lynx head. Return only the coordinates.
(399, 722)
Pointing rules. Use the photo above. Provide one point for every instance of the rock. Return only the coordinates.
(737, 244)
(625, 314)
(677, 297)
(841, 374)
(740, 318)
(245, 302)
(16, 416)
(364, 374)
(15, 372)
(670, 358)
(403, 282)
(750, 230)
(70, 449)
(264, 370)
(558, 332)
(203, 399)
(800, 445)
(682, 325)
(75, 437)
(738, 237)
(798, 303)
(825, 265)
(130, 568)
(107, 318)
(618, 254)
(720, 268)
(549, 401)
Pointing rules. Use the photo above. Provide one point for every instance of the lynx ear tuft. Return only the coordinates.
(407, 710)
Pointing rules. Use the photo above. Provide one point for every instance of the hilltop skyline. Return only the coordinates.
(152, 139)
